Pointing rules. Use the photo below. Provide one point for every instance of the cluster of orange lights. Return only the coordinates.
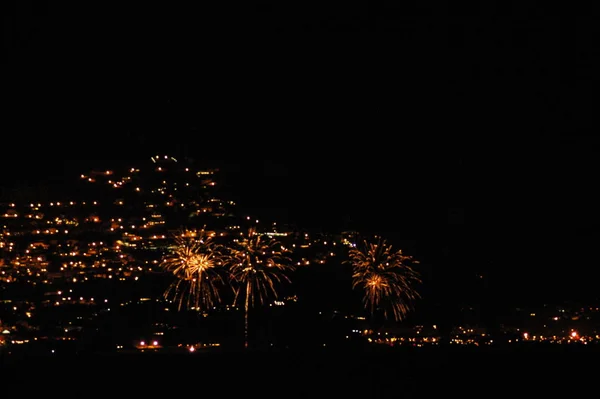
(148, 345)
(572, 334)
(571, 337)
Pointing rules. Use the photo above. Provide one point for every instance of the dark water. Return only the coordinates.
(324, 374)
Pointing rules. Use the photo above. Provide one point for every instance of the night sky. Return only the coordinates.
(468, 135)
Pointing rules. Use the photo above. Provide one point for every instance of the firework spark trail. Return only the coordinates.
(196, 262)
(386, 278)
(258, 264)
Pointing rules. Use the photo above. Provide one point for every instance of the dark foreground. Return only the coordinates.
(415, 373)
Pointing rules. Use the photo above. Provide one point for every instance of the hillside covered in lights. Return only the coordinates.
(80, 270)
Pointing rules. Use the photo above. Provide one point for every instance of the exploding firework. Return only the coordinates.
(196, 262)
(258, 264)
(386, 278)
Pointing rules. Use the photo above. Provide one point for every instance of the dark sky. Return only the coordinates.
(437, 124)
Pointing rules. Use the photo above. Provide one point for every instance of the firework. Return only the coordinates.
(258, 264)
(385, 277)
(196, 263)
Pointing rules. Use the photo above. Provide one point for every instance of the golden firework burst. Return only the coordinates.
(258, 263)
(196, 262)
(386, 278)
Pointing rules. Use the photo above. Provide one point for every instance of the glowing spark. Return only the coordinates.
(386, 278)
(196, 263)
